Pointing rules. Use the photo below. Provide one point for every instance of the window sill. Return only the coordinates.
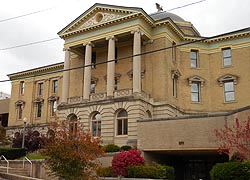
(198, 68)
(225, 67)
(199, 103)
(230, 102)
(121, 136)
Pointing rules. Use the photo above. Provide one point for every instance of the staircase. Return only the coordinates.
(17, 171)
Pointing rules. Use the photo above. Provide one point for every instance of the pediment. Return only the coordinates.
(99, 15)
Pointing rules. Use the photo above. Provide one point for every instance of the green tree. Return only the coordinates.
(72, 151)
(4, 140)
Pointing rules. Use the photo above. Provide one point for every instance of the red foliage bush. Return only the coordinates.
(124, 159)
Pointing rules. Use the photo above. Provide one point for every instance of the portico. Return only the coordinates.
(111, 44)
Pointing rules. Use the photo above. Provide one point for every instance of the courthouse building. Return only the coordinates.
(156, 82)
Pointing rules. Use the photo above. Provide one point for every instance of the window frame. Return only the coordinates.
(19, 111)
(229, 91)
(39, 106)
(224, 58)
(55, 86)
(124, 123)
(198, 92)
(22, 85)
(196, 59)
(53, 107)
(96, 126)
(40, 87)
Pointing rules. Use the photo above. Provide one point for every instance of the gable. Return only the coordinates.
(100, 15)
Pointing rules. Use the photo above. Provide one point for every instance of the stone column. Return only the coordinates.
(87, 70)
(111, 66)
(66, 74)
(137, 61)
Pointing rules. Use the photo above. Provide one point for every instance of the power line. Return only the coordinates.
(127, 57)
(23, 15)
(186, 5)
(28, 44)
(38, 42)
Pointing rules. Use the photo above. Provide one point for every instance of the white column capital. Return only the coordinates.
(137, 30)
(112, 38)
(88, 44)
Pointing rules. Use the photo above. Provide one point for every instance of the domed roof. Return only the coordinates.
(163, 14)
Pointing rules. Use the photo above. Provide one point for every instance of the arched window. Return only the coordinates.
(72, 123)
(96, 124)
(122, 122)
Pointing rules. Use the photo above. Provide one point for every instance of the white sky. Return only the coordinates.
(210, 17)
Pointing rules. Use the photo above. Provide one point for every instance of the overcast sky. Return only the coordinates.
(210, 17)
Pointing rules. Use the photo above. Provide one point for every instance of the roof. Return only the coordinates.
(164, 14)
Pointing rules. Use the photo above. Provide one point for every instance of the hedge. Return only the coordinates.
(231, 171)
(151, 171)
(111, 148)
(104, 171)
(12, 153)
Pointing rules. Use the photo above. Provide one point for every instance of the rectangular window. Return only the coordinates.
(122, 126)
(92, 87)
(227, 57)
(96, 128)
(174, 87)
(54, 86)
(173, 51)
(93, 60)
(39, 110)
(229, 91)
(20, 111)
(194, 58)
(22, 87)
(53, 107)
(40, 89)
(195, 92)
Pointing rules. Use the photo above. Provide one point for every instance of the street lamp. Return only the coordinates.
(24, 126)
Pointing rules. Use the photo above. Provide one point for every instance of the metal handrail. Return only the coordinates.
(8, 164)
(25, 158)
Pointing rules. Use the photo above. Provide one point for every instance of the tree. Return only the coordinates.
(235, 139)
(124, 159)
(4, 140)
(32, 140)
(72, 151)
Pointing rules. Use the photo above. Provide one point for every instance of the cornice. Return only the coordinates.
(108, 23)
(32, 72)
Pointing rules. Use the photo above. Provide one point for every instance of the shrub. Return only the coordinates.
(12, 153)
(111, 148)
(126, 147)
(124, 159)
(231, 171)
(151, 171)
(104, 171)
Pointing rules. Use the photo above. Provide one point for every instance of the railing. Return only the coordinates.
(98, 96)
(76, 99)
(123, 93)
(25, 158)
(102, 96)
(8, 164)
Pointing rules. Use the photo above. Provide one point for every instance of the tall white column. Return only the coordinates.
(87, 70)
(111, 66)
(137, 61)
(66, 74)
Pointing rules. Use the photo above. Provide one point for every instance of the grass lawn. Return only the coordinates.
(34, 156)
